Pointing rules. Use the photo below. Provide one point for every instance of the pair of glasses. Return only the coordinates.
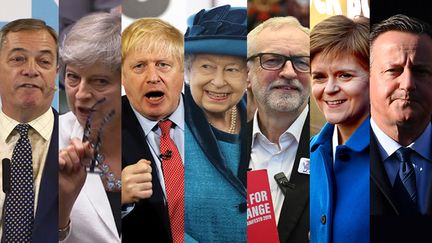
(275, 62)
(96, 141)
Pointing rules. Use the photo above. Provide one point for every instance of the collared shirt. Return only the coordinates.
(421, 159)
(39, 136)
(153, 134)
(276, 157)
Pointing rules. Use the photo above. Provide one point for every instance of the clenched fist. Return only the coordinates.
(137, 182)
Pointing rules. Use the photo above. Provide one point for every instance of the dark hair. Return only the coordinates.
(400, 23)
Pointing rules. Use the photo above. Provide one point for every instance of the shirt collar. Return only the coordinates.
(295, 129)
(43, 125)
(177, 117)
(387, 146)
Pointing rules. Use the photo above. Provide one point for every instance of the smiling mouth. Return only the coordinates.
(217, 95)
(335, 102)
(154, 95)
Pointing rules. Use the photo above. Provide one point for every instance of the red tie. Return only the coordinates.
(173, 172)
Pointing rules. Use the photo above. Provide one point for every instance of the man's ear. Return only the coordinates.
(248, 79)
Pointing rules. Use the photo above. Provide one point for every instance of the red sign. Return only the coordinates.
(261, 223)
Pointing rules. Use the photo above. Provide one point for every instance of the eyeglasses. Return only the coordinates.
(96, 141)
(275, 62)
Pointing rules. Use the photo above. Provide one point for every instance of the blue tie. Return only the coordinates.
(406, 183)
(19, 217)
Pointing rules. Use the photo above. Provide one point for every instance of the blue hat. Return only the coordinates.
(221, 30)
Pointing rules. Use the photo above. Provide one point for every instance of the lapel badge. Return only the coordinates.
(304, 166)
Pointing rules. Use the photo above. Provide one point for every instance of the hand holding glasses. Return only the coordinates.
(96, 142)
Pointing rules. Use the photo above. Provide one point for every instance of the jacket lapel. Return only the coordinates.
(46, 219)
(95, 193)
(378, 174)
(297, 199)
(133, 138)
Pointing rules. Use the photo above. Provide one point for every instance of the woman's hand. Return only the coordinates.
(72, 175)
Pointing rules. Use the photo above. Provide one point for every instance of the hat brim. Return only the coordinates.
(222, 46)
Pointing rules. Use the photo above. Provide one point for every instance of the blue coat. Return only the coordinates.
(215, 179)
(339, 191)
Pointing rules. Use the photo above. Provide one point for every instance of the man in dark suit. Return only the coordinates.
(152, 75)
(28, 68)
(401, 140)
(278, 76)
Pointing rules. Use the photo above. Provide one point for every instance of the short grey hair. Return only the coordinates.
(26, 25)
(93, 38)
(274, 23)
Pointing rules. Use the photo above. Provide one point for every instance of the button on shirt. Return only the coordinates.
(421, 159)
(153, 133)
(40, 137)
(276, 157)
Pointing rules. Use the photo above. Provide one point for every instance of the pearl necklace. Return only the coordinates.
(233, 125)
(233, 122)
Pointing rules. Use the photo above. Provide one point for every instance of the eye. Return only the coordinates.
(17, 59)
(138, 68)
(163, 65)
(46, 63)
(318, 78)
(421, 71)
(101, 82)
(72, 79)
(232, 69)
(345, 76)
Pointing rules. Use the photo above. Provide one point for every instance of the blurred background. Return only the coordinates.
(46, 10)
(320, 10)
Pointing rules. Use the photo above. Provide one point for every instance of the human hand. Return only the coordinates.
(72, 175)
(136, 182)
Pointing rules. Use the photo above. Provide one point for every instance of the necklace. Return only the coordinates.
(233, 125)
(111, 182)
(233, 121)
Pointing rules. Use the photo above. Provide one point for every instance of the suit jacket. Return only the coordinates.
(91, 217)
(387, 225)
(293, 225)
(45, 226)
(149, 218)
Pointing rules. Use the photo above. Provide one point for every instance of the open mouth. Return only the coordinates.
(284, 87)
(335, 102)
(155, 94)
(217, 96)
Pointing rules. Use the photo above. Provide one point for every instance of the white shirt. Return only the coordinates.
(40, 138)
(153, 133)
(276, 157)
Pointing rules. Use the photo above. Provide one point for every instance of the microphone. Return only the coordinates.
(166, 156)
(283, 182)
(6, 164)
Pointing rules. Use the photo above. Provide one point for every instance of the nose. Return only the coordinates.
(288, 70)
(219, 78)
(30, 69)
(407, 80)
(331, 86)
(84, 90)
(152, 75)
